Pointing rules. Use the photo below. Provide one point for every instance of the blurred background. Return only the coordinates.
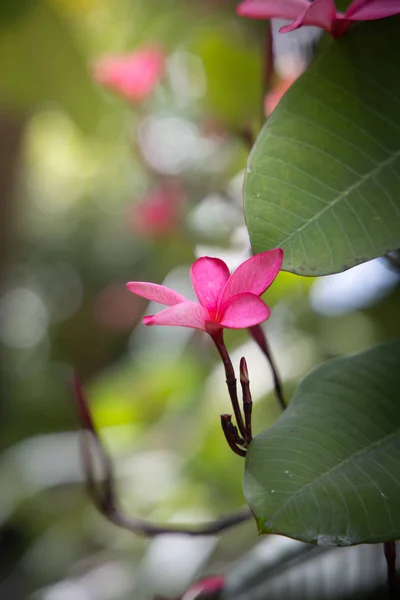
(125, 127)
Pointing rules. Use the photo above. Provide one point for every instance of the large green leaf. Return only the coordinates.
(328, 471)
(323, 180)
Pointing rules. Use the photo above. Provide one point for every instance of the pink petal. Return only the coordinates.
(244, 310)
(154, 292)
(365, 10)
(184, 314)
(255, 275)
(269, 9)
(209, 276)
(320, 13)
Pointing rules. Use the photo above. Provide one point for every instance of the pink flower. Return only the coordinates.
(225, 301)
(321, 13)
(133, 76)
(158, 213)
(205, 587)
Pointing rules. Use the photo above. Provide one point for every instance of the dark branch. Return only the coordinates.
(102, 490)
(231, 435)
(247, 401)
(218, 339)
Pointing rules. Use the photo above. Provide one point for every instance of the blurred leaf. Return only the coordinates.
(233, 71)
(11, 11)
(322, 179)
(125, 394)
(328, 471)
(40, 62)
(74, 8)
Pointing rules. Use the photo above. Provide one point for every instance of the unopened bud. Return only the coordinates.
(244, 373)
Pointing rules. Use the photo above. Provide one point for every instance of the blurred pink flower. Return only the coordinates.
(204, 588)
(158, 213)
(134, 76)
(225, 300)
(321, 13)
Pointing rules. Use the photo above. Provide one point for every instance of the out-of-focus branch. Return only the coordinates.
(12, 127)
(102, 489)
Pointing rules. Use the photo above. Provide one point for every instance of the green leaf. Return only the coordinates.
(323, 178)
(328, 471)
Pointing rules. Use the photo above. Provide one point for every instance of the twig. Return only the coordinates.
(218, 339)
(247, 401)
(259, 337)
(103, 493)
(231, 435)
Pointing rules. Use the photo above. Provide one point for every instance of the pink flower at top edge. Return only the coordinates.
(158, 213)
(225, 300)
(133, 76)
(321, 13)
(210, 585)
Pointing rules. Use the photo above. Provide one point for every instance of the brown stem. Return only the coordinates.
(259, 337)
(389, 549)
(218, 339)
(103, 493)
(231, 435)
(247, 401)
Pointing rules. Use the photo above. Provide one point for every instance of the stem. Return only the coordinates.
(247, 401)
(103, 493)
(259, 337)
(218, 339)
(389, 549)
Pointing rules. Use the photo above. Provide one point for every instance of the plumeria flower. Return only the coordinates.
(321, 13)
(134, 76)
(225, 300)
